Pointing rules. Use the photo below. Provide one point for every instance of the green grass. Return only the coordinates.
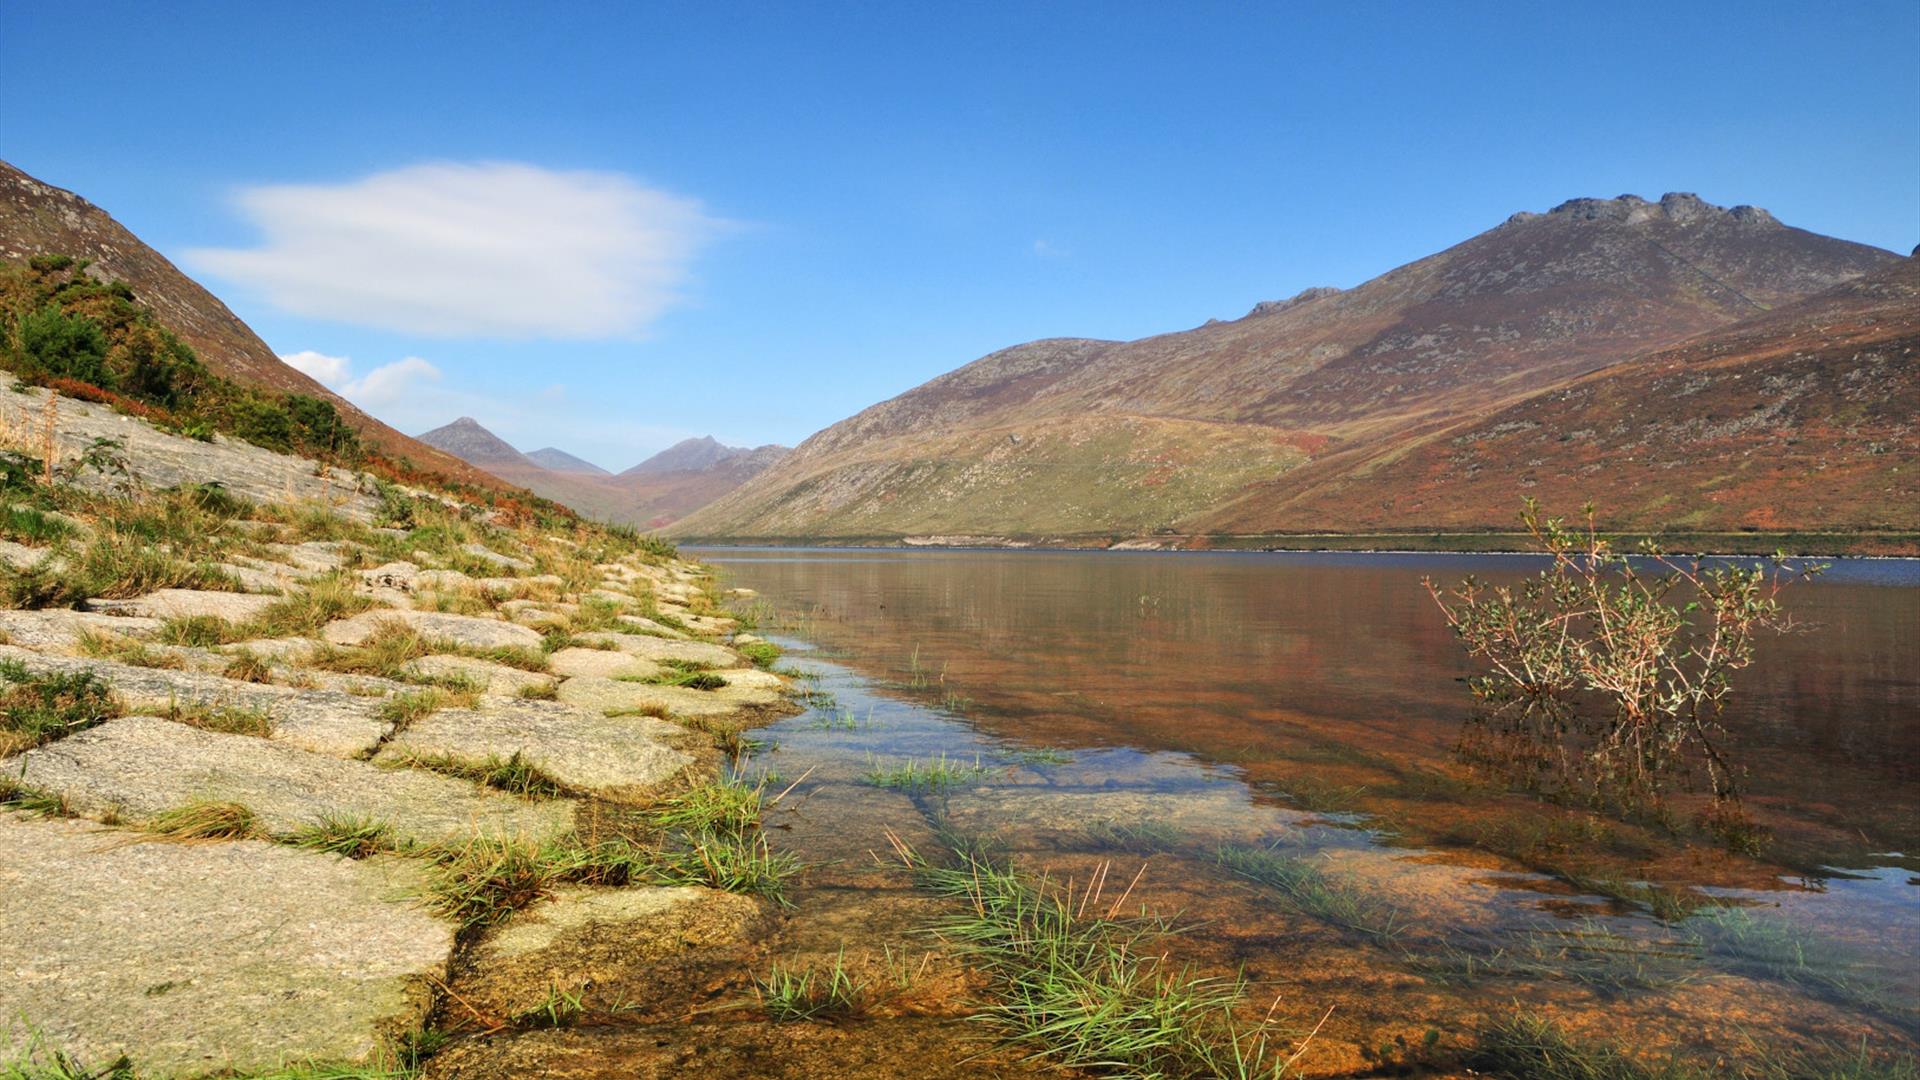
(36, 709)
(1773, 948)
(730, 805)
(1145, 837)
(113, 565)
(1044, 756)
(18, 796)
(485, 879)
(1587, 953)
(342, 834)
(207, 820)
(760, 653)
(225, 719)
(733, 862)
(558, 1009)
(26, 525)
(401, 710)
(1079, 985)
(1305, 886)
(1528, 1047)
(692, 680)
(125, 650)
(512, 774)
(934, 775)
(791, 993)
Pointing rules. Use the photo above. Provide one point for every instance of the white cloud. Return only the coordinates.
(493, 249)
(392, 384)
(1047, 249)
(329, 371)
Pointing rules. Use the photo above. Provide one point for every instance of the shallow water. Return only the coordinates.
(1296, 714)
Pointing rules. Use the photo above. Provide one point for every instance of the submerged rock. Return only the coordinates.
(599, 937)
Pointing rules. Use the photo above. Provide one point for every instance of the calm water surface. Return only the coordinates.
(1183, 711)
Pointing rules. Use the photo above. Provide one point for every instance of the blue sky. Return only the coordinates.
(609, 227)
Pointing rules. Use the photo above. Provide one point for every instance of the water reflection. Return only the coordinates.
(1273, 734)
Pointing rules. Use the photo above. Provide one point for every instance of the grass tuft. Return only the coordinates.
(340, 834)
(207, 820)
(36, 709)
(934, 775)
(1308, 888)
(792, 993)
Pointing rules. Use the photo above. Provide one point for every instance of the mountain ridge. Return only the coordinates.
(1080, 437)
(703, 469)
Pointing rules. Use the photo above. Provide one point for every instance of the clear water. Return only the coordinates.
(1161, 710)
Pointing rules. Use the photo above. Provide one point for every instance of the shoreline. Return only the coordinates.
(1902, 546)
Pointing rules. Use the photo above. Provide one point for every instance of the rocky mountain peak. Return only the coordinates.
(1304, 296)
(467, 440)
(1681, 207)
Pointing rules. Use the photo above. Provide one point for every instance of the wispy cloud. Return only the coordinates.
(494, 249)
(1047, 249)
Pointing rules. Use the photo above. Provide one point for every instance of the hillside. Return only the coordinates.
(656, 492)
(39, 219)
(1085, 439)
(552, 457)
(1802, 418)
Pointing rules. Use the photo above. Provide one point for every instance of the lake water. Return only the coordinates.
(1272, 738)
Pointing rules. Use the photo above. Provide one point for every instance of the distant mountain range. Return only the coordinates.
(658, 491)
(1683, 364)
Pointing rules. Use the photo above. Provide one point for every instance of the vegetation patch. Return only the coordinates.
(789, 992)
(1305, 885)
(1082, 985)
(343, 834)
(934, 775)
(513, 774)
(36, 709)
(207, 820)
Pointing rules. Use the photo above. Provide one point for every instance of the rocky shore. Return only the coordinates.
(385, 765)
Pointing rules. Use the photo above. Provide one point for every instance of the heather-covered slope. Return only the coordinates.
(1074, 438)
(39, 219)
(1805, 418)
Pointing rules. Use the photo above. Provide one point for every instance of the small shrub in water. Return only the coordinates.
(1607, 674)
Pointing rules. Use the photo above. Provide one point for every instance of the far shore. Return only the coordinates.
(1888, 545)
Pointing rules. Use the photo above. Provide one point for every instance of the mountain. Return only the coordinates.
(687, 455)
(560, 461)
(1800, 419)
(468, 441)
(700, 470)
(37, 218)
(1081, 439)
